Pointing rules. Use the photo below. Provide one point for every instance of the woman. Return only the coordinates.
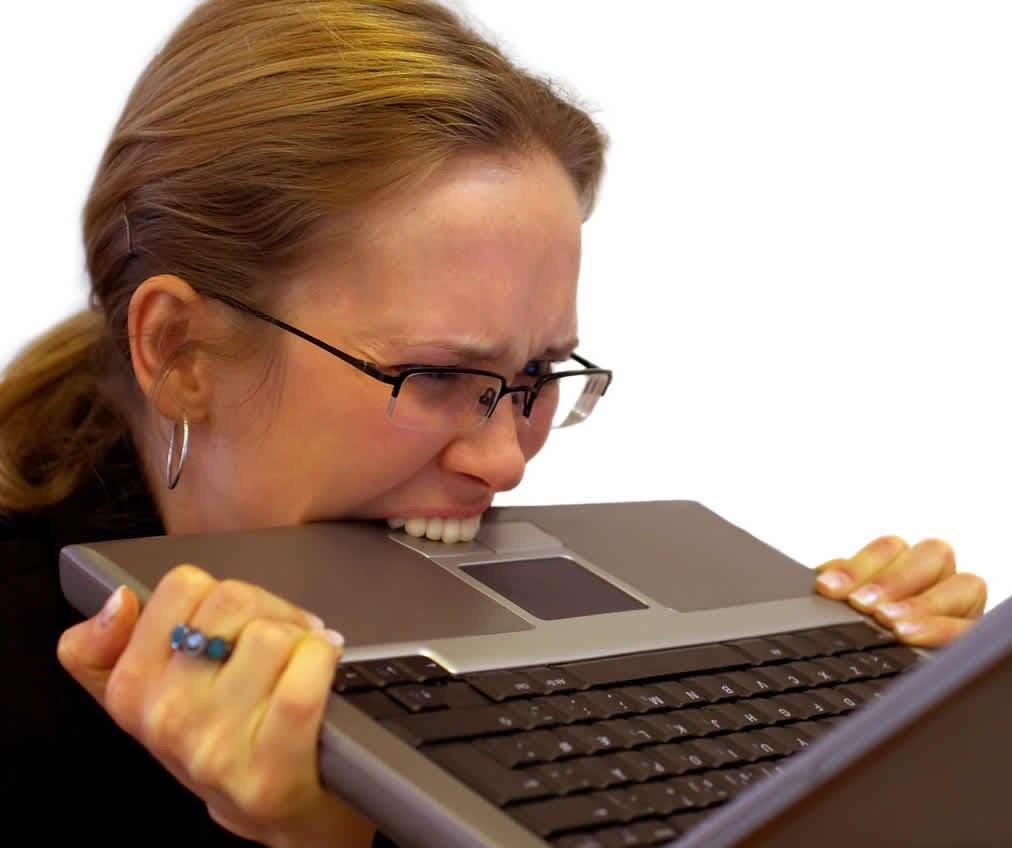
(301, 202)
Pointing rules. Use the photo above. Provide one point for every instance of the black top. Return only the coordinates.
(65, 767)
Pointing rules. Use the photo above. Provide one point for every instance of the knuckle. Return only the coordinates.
(184, 580)
(231, 599)
(298, 709)
(268, 637)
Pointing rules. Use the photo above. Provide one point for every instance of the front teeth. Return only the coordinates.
(448, 530)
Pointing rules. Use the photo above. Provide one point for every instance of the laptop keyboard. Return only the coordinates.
(634, 749)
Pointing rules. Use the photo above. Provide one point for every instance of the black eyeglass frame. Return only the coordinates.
(396, 381)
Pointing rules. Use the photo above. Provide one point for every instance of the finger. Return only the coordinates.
(175, 598)
(913, 571)
(839, 577)
(90, 650)
(962, 595)
(231, 604)
(247, 678)
(290, 727)
(931, 631)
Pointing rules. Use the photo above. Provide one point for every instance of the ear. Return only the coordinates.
(165, 317)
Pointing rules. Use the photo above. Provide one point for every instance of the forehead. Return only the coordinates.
(485, 250)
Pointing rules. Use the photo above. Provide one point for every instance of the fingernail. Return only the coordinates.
(894, 610)
(833, 580)
(335, 638)
(315, 622)
(112, 605)
(908, 628)
(867, 596)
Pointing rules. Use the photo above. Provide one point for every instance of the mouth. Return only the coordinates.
(448, 530)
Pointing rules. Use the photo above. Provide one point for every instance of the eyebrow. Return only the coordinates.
(470, 349)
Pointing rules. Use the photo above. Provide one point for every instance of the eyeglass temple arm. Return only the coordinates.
(360, 364)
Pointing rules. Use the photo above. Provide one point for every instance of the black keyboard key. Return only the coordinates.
(620, 837)
(796, 645)
(675, 725)
(813, 729)
(644, 764)
(564, 778)
(593, 738)
(444, 725)
(680, 694)
(654, 831)
(638, 732)
(700, 793)
(806, 705)
(622, 769)
(663, 798)
(417, 697)
(674, 661)
(650, 698)
(457, 694)
(784, 678)
(730, 780)
(630, 803)
(561, 814)
(422, 669)
(731, 687)
(760, 651)
(819, 672)
(537, 712)
(571, 708)
(383, 672)
(488, 778)
(552, 680)
(714, 719)
(787, 740)
(751, 682)
(607, 703)
(842, 671)
(738, 715)
(839, 699)
(828, 641)
(863, 635)
(895, 659)
(502, 685)
(717, 752)
(520, 748)
(350, 679)
(753, 744)
(680, 757)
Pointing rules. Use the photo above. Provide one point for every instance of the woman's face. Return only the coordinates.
(477, 267)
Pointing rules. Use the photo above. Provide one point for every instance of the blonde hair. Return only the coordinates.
(251, 136)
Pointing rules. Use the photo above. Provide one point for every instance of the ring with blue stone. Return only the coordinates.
(195, 643)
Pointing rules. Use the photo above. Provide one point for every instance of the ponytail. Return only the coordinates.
(56, 423)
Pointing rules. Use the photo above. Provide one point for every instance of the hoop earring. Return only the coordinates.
(173, 479)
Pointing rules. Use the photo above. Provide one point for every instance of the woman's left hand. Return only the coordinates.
(913, 591)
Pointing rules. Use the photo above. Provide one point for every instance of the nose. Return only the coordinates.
(492, 453)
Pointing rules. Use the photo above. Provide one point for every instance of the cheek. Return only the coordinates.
(532, 443)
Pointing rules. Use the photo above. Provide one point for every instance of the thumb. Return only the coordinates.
(91, 649)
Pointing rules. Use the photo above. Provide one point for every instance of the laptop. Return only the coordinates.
(616, 674)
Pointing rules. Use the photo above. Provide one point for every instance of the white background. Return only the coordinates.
(798, 268)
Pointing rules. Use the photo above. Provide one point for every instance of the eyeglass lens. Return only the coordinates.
(446, 401)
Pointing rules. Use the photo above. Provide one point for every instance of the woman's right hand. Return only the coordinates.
(242, 734)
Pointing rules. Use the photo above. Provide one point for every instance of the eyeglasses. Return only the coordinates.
(444, 400)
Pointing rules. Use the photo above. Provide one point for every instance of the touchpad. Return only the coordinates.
(553, 587)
